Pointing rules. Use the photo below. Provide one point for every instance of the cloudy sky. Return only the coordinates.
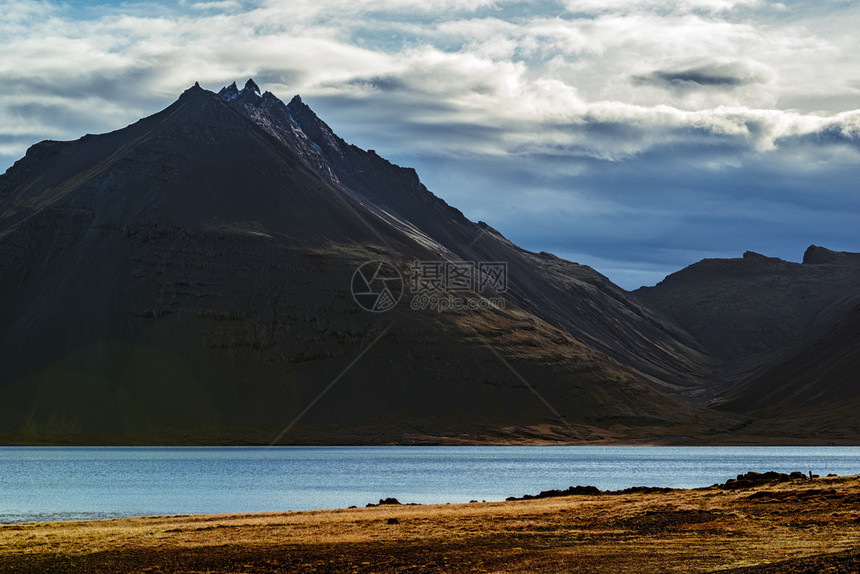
(636, 136)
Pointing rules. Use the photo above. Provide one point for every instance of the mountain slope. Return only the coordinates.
(571, 297)
(816, 384)
(186, 279)
(788, 335)
(750, 311)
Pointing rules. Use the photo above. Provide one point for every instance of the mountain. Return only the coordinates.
(229, 270)
(571, 297)
(751, 310)
(192, 278)
(817, 381)
(787, 335)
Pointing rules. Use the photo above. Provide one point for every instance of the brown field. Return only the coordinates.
(796, 526)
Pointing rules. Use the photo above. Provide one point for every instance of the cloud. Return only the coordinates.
(630, 117)
(222, 5)
(843, 129)
(387, 83)
(719, 76)
(682, 6)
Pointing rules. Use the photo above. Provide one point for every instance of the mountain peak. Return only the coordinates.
(249, 93)
(816, 255)
(251, 86)
(193, 90)
(229, 92)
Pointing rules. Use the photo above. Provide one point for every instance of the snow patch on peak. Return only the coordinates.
(229, 93)
(249, 93)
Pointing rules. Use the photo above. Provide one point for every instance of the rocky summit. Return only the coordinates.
(230, 271)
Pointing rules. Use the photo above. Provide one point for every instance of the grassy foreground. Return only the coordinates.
(794, 526)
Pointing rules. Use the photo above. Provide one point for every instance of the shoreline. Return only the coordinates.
(670, 442)
(452, 443)
(103, 516)
(760, 525)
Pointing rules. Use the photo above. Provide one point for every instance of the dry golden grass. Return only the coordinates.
(798, 526)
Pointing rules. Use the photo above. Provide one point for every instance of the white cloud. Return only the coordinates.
(627, 6)
(222, 5)
(715, 85)
(640, 74)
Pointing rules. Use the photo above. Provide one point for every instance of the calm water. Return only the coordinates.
(70, 483)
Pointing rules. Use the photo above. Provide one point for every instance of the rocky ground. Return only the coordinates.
(755, 524)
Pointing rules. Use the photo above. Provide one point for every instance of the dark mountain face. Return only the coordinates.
(815, 380)
(787, 333)
(187, 279)
(197, 277)
(821, 373)
(811, 391)
(571, 297)
(744, 310)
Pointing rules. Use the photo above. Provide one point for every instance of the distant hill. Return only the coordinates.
(787, 335)
(747, 308)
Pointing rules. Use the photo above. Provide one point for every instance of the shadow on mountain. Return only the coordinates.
(187, 279)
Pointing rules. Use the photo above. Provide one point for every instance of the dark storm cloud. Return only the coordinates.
(121, 85)
(707, 76)
(285, 77)
(383, 83)
(9, 140)
(63, 119)
(88, 102)
(640, 219)
(409, 123)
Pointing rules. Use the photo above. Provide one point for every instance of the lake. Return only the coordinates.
(75, 483)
